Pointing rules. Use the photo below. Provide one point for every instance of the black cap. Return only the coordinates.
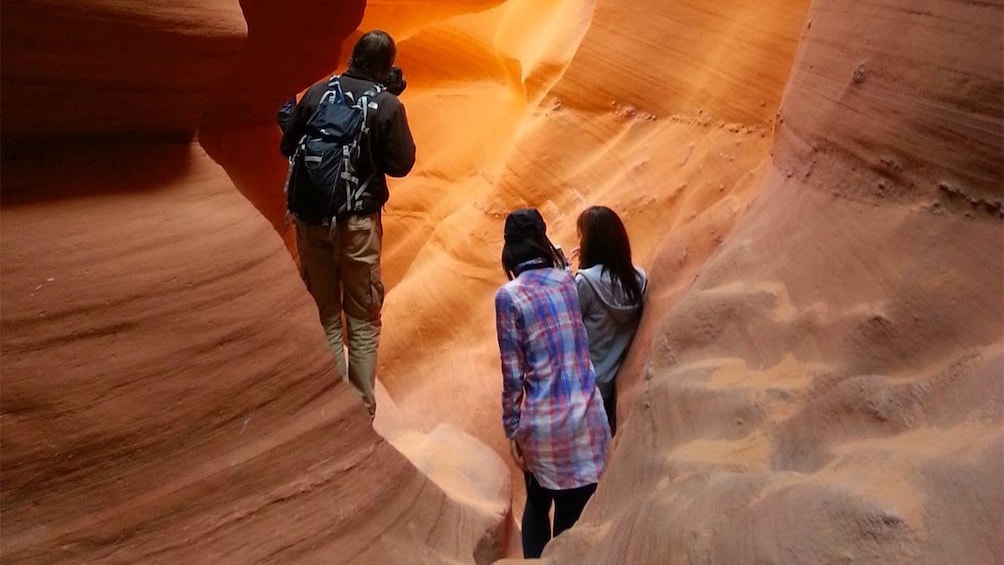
(525, 223)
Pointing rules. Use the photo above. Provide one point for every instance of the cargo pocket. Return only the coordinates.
(362, 249)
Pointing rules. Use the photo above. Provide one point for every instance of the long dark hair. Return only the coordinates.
(604, 241)
(526, 244)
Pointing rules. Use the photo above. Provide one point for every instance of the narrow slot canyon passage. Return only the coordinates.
(814, 189)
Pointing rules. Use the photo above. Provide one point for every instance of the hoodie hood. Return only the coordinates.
(612, 295)
(610, 320)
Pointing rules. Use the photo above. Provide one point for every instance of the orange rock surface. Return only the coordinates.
(815, 191)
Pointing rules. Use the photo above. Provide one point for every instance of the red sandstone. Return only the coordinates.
(815, 190)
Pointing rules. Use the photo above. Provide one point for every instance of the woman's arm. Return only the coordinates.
(508, 325)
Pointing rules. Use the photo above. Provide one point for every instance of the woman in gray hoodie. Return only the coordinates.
(611, 291)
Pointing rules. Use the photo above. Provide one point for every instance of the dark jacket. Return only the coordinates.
(391, 146)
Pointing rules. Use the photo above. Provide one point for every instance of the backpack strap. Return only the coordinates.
(366, 103)
(334, 93)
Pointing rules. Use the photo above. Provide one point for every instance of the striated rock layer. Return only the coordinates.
(830, 387)
(814, 190)
(167, 391)
(561, 123)
(111, 68)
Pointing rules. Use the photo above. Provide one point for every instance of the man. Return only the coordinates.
(340, 259)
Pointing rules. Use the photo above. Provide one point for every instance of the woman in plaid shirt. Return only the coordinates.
(551, 410)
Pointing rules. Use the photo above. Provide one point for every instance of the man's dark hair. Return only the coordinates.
(604, 241)
(373, 56)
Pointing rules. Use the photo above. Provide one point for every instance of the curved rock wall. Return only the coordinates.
(167, 392)
(815, 192)
(829, 390)
(548, 119)
(111, 68)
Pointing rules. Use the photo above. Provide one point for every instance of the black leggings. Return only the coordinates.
(568, 504)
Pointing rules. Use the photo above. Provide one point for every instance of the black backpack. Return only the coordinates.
(324, 184)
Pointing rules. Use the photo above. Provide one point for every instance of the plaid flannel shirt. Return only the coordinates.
(550, 404)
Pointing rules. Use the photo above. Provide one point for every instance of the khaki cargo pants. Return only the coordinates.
(341, 268)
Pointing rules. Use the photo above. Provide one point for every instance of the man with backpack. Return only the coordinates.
(344, 137)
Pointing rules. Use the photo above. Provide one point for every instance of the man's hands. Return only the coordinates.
(395, 82)
(517, 454)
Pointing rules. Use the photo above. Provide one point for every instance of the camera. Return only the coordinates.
(560, 254)
(395, 83)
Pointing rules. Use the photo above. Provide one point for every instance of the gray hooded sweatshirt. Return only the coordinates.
(610, 320)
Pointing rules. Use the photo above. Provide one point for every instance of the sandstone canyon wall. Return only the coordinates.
(829, 389)
(814, 190)
(167, 394)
